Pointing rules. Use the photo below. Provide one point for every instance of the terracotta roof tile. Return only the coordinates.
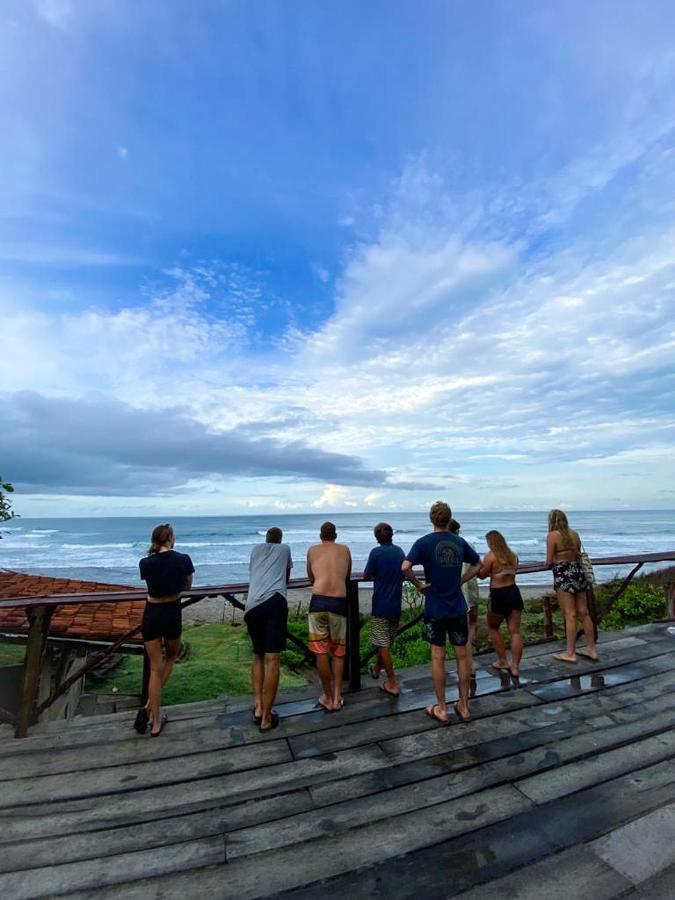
(93, 621)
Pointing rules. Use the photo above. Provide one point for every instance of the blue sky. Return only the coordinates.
(297, 256)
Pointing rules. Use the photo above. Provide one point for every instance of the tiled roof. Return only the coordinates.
(88, 622)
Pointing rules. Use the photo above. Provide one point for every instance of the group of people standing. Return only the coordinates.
(451, 566)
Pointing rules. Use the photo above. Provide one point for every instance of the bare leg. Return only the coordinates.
(494, 621)
(270, 685)
(385, 662)
(338, 669)
(156, 657)
(569, 608)
(171, 650)
(463, 661)
(473, 619)
(438, 677)
(587, 623)
(325, 674)
(513, 623)
(257, 678)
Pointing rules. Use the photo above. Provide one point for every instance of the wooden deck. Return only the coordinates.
(563, 785)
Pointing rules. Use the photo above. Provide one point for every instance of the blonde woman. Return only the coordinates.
(563, 546)
(501, 564)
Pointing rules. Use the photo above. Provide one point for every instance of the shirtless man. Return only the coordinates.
(329, 566)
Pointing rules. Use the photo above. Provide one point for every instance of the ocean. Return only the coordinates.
(108, 549)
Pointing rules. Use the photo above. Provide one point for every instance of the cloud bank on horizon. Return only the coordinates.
(336, 256)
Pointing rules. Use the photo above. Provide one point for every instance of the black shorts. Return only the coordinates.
(162, 620)
(266, 625)
(504, 600)
(456, 629)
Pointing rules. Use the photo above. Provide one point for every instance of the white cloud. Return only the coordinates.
(57, 13)
(334, 495)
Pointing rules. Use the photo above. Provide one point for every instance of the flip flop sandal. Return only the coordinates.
(386, 690)
(141, 721)
(165, 719)
(463, 719)
(374, 673)
(274, 721)
(255, 719)
(429, 711)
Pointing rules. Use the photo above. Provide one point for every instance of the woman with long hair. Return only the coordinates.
(563, 547)
(167, 573)
(501, 564)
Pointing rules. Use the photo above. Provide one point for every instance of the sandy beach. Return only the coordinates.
(217, 610)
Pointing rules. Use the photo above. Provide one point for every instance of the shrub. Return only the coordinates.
(641, 603)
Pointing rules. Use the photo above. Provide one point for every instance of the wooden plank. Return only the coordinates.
(71, 825)
(492, 852)
(149, 832)
(163, 773)
(327, 821)
(192, 795)
(117, 727)
(66, 820)
(36, 884)
(658, 888)
(611, 763)
(290, 867)
(642, 848)
(556, 878)
(414, 721)
(581, 716)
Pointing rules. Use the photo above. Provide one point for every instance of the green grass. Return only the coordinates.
(219, 663)
(11, 655)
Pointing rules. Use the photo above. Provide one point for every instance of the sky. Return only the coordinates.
(269, 256)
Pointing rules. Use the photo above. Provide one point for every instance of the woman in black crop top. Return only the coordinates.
(167, 573)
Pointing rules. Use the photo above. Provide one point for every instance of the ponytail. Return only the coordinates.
(161, 535)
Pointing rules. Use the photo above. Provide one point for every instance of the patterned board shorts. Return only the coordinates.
(456, 630)
(327, 633)
(382, 631)
(569, 577)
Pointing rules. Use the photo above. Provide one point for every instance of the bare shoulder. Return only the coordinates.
(575, 536)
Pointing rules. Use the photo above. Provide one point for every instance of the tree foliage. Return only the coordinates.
(6, 511)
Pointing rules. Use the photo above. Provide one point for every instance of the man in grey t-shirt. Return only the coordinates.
(266, 618)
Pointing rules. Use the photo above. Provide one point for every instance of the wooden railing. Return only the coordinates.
(39, 611)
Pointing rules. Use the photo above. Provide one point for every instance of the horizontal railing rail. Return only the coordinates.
(39, 610)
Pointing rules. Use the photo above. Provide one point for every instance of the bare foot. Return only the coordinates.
(462, 711)
(338, 703)
(325, 703)
(499, 665)
(593, 655)
(564, 657)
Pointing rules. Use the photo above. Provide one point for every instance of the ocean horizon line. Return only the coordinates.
(351, 512)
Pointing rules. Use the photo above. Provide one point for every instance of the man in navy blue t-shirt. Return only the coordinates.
(384, 569)
(445, 610)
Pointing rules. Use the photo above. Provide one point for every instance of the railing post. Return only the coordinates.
(38, 618)
(548, 618)
(670, 600)
(353, 662)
